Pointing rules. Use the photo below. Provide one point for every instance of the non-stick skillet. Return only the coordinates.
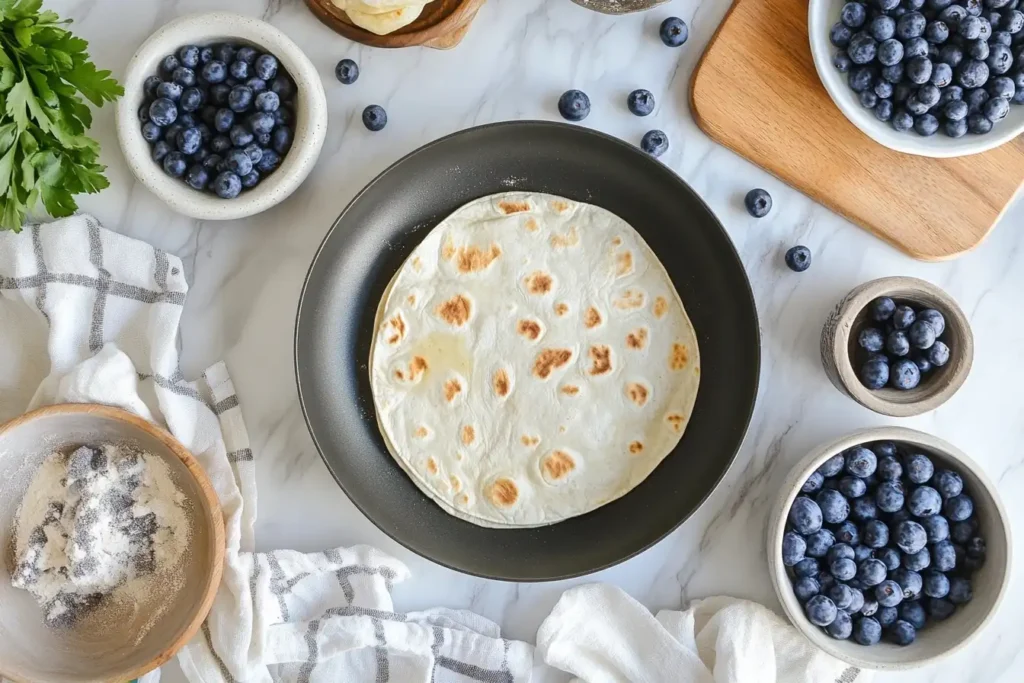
(378, 229)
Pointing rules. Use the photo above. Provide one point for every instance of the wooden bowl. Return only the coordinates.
(839, 347)
(442, 25)
(989, 583)
(118, 641)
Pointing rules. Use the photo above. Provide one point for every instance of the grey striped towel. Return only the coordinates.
(87, 315)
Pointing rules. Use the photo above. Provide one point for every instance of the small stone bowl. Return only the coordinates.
(989, 583)
(839, 347)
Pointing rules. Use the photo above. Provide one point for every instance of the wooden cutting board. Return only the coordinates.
(756, 92)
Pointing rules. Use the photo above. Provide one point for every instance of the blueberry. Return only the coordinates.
(902, 632)
(928, 95)
(976, 547)
(861, 553)
(936, 585)
(151, 132)
(238, 162)
(654, 142)
(375, 118)
(884, 89)
(170, 91)
(975, 99)
(793, 546)
(858, 602)
(191, 99)
(211, 162)
(842, 62)
(257, 85)
(958, 508)
(184, 76)
(813, 482)
(889, 468)
(861, 461)
(163, 112)
(266, 101)
(200, 153)
(806, 588)
(834, 506)
(882, 27)
(977, 49)
(862, 49)
(897, 343)
(225, 52)
(871, 572)
(206, 55)
(943, 557)
(240, 98)
(959, 590)
(888, 497)
(969, 28)
(841, 627)
(160, 150)
(890, 557)
(270, 161)
(839, 35)
(1013, 21)
(892, 74)
(266, 67)
(223, 120)
(819, 542)
(227, 185)
(904, 373)
(674, 32)
(922, 559)
(948, 483)
(866, 630)
(972, 73)
(640, 102)
(197, 177)
(911, 25)
(144, 111)
(821, 611)
(863, 509)
(283, 117)
(909, 581)
(954, 129)
(916, 107)
(888, 593)
(346, 71)
(841, 595)
(825, 580)
(573, 105)
(860, 78)
(281, 140)
(758, 202)
(852, 487)
(246, 54)
(868, 99)
(240, 135)
(840, 551)
(174, 164)
(283, 87)
(952, 15)
(220, 143)
(214, 72)
(847, 532)
(913, 613)
(919, 468)
(940, 609)
(900, 515)
(936, 32)
(961, 532)
(806, 567)
(218, 94)
(798, 258)
(955, 111)
(936, 527)
(910, 536)
(853, 14)
(832, 466)
(926, 124)
(239, 70)
(168, 64)
(875, 533)
(254, 152)
(996, 109)
(924, 501)
(188, 141)
(881, 309)
(251, 179)
(1000, 59)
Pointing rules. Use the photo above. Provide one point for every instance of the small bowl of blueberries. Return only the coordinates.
(889, 548)
(897, 345)
(936, 78)
(223, 115)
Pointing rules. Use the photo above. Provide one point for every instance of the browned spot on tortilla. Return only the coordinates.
(531, 224)
(630, 299)
(679, 357)
(637, 393)
(675, 421)
(569, 239)
(399, 375)
(456, 484)
(503, 492)
(561, 308)
(451, 389)
(616, 241)
(637, 339)
(636, 447)
(501, 383)
(416, 263)
(660, 307)
(411, 299)
(468, 434)
(448, 250)
(696, 370)
(529, 329)
(560, 206)
(421, 432)
(455, 311)
(600, 359)
(624, 263)
(508, 207)
(417, 367)
(592, 318)
(529, 441)
(558, 464)
(538, 283)
(570, 390)
(548, 360)
(431, 466)
(399, 327)
(464, 499)
(473, 259)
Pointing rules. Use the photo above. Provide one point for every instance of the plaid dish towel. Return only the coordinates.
(87, 315)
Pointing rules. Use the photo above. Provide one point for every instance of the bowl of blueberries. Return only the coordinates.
(223, 115)
(897, 345)
(937, 78)
(889, 548)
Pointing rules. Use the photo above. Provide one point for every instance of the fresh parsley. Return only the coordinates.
(45, 154)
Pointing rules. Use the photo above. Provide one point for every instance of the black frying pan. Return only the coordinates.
(385, 222)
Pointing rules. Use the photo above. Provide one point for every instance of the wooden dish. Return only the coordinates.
(839, 344)
(116, 642)
(442, 25)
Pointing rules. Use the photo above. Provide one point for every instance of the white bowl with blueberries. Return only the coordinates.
(935, 78)
(223, 115)
(897, 345)
(889, 548)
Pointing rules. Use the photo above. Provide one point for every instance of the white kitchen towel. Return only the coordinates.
(600, 634)
(87, 315)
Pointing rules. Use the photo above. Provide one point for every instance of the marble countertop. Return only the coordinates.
(519, 56)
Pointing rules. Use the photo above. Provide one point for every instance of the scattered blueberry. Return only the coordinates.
(798, 258)
(654, 142)
(674, 32)
(758, 202)
(640, 102)
(347, 71)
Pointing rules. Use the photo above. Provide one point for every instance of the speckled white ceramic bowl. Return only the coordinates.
(821, 14)
(310, 115)
(938, 639)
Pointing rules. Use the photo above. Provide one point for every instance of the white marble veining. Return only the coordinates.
(520, 54)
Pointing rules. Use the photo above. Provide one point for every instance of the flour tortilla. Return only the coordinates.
(532, 361)
(381, 16)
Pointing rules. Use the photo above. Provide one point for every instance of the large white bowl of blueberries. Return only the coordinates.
(937, 78)
(889, 548)
(223, 115)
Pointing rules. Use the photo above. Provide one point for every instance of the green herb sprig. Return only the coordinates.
(45, 154)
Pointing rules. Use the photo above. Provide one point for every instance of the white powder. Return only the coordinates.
(93, 523)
